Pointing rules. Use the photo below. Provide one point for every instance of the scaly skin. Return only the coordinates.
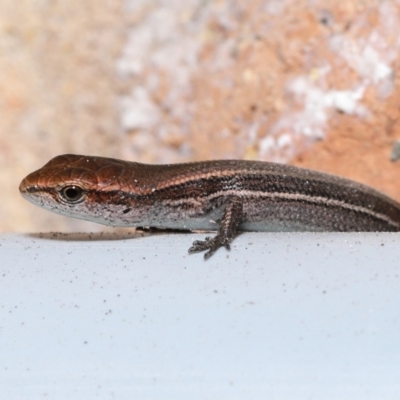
(226, 196)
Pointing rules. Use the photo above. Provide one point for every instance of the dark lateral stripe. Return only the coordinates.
(285, 196)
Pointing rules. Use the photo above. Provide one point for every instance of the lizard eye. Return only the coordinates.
(72, 194)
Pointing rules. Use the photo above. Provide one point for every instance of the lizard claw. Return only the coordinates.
(210, 244)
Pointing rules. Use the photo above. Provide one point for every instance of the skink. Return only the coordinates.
(226, 196)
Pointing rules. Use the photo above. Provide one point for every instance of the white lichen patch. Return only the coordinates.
(368, 53)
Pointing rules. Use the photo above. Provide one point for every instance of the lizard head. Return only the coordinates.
(77, 186)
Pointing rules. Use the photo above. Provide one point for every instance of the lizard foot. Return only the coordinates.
(210, 244)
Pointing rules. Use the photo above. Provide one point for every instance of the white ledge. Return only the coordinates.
(280, 316)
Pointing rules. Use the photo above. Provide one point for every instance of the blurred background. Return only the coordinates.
(310, 83)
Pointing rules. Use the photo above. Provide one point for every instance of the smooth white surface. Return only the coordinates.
(281, 316)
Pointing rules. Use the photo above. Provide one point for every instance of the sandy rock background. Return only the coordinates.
(171, 81)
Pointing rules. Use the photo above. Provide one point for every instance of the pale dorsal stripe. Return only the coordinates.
(285, 196)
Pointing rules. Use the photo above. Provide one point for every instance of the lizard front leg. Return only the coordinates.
(227, 229)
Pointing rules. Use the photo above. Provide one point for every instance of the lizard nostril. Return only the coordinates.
(25, 188)
(22, 187)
